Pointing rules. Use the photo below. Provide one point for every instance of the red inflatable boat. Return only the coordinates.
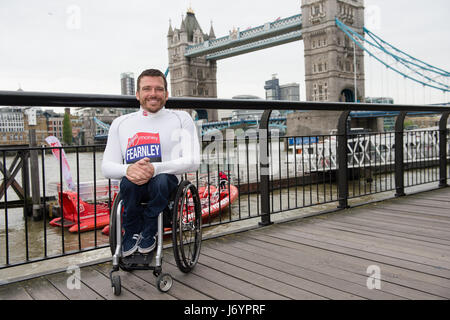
(91, 216)
(211, 206)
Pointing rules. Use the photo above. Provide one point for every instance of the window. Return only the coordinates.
(347, 66)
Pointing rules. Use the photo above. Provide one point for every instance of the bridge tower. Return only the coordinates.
(191, 77)
(329, 53)
(329, 61)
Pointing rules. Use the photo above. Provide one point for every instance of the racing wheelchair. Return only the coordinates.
(182, 216)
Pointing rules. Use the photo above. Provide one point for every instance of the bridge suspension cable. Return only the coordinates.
(397, 60)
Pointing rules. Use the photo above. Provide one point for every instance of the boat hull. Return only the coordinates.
(79, 215)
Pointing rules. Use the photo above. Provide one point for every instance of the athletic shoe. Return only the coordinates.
(147, 244)
(130, 244)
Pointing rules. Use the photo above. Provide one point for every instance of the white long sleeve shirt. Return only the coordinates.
(168, 137)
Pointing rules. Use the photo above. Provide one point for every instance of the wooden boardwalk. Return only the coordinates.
(322, 257)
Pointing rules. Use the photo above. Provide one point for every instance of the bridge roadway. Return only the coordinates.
(321, 257)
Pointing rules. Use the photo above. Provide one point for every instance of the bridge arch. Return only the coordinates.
(347, 95)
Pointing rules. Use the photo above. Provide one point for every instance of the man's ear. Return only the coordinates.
(137, 95)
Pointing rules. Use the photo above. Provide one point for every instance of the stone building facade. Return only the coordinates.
(191, 77)
(329, 62)
(329, 58)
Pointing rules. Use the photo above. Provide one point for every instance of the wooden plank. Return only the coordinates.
(396, 227)
(443, 221)
(410, 247)
(406, 219)
(337, 263)
(178, 290)
(421, 263)
(377, 245)
(396, 238)
(41, 289)
(413, 226)
(390, 274)
(298, 243)
(10, 178)
(297, 239)
(429, 203)
(338, 279)
(406, 206)
(199, 283)
(84, 292)
(14, 291)
(101, 284)
(432, 196)
(139, 287)
(274, 269)
(232, 278)
(421, 211)
(438, 285)
(358, 225)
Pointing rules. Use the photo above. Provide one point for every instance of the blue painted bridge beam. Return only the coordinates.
(238, 42)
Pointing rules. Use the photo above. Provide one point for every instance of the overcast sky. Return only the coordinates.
(82, 46)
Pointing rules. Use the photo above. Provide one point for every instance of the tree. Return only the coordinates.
(67, 129)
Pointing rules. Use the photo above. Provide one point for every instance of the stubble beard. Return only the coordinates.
(149, 106)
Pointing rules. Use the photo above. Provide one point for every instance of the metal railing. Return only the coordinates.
(273, 174)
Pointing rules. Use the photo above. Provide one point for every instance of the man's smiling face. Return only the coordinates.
(151, 94)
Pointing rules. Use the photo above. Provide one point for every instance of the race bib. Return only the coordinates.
(143, 145)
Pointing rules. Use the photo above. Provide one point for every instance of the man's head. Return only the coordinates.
(152, 90)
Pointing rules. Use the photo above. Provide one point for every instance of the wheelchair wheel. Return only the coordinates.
(164, 282)
(113, 223)
(186, 226)
(116, 285)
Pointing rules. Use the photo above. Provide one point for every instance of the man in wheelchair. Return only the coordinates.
(148, 150)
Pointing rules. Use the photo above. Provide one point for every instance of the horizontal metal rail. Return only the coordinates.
(14, 98)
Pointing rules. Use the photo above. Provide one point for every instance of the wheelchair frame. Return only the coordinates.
(180, 225)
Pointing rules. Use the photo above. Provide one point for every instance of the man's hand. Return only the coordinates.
(140, 172)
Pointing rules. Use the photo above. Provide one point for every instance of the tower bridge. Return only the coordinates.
(334, 45)
(333, 33)
(334, 69)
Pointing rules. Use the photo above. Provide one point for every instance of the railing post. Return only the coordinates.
(342, 160)
(443, 150)
(264, 172)
(399, 168)
(25, 181)
(35, 190)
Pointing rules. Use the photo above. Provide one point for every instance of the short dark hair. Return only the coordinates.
(152, 73)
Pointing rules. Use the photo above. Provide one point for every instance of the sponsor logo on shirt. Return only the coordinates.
(143, 145)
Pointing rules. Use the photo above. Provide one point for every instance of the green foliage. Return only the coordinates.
(67, 130)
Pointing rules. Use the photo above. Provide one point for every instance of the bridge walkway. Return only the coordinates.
(331, 256)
